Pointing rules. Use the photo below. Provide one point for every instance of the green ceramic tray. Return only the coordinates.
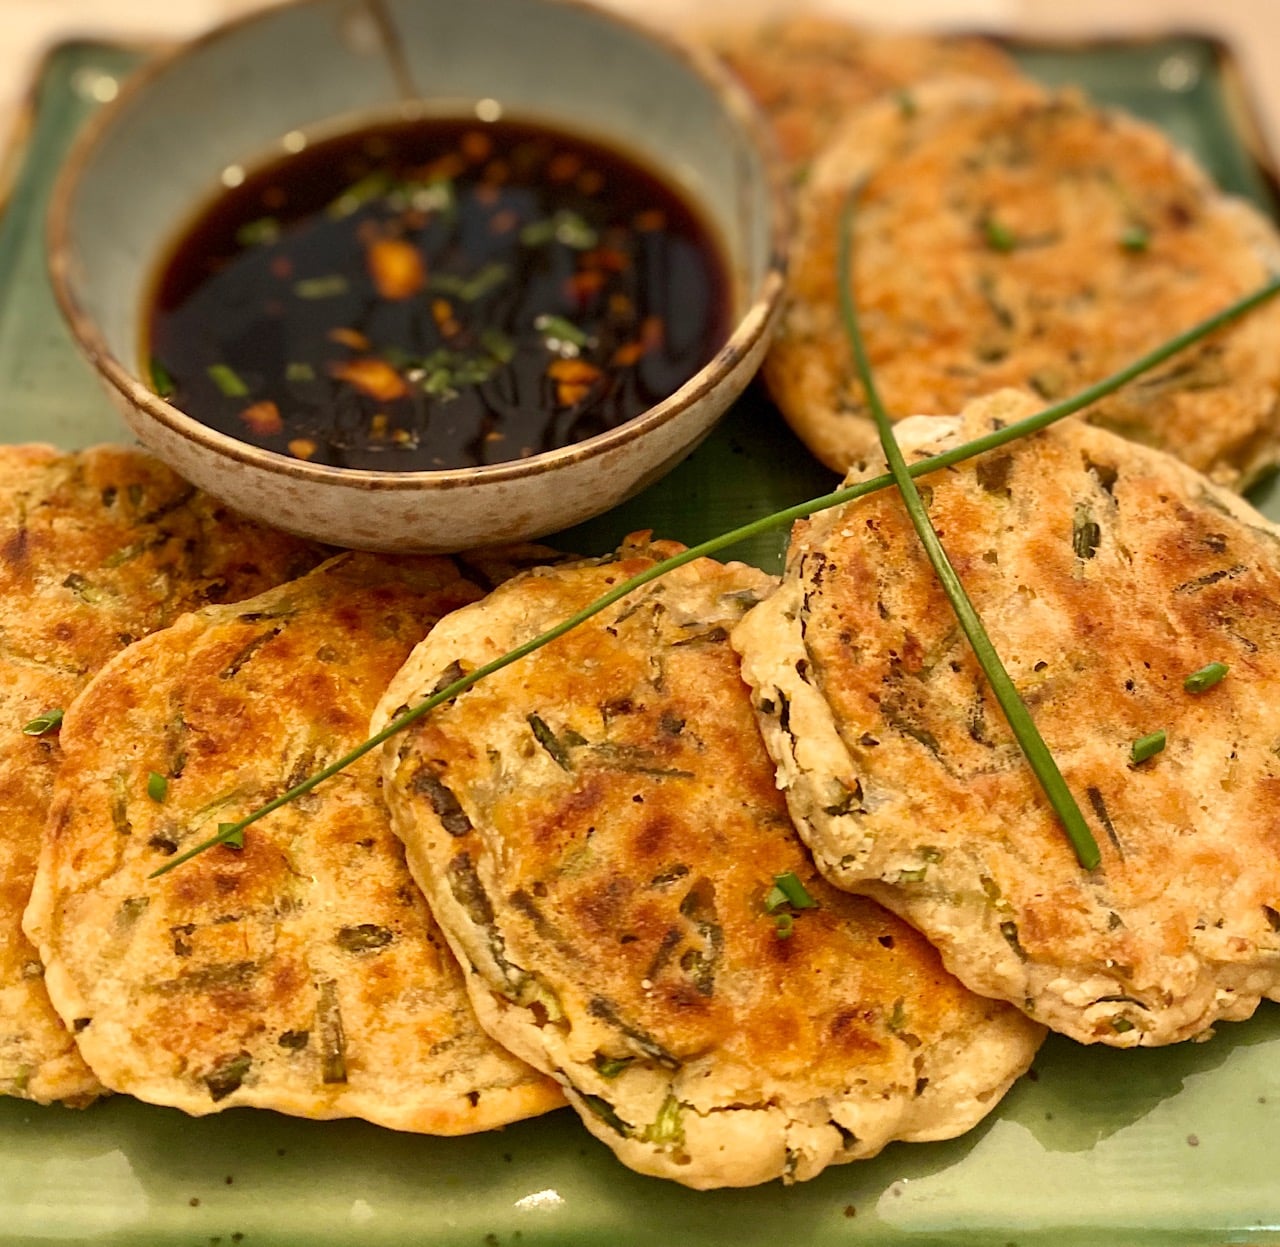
(1097, 1148)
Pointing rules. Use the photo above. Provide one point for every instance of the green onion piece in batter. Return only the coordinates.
(999, 237)
(1015, 709)
(157, 786)
(43, 724)
(765, 524)
(611, 1067)
(1135, 238)
(1205, 678)
(667, 1126)
(1147, 746)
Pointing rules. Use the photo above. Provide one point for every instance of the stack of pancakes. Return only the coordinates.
(751, 873)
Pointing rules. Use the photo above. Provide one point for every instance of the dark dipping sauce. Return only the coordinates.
(436, 294)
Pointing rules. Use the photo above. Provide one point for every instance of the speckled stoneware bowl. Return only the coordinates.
(227, 101)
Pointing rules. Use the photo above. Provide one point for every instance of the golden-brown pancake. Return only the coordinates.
(808, 71)
(599, 834)
(1005, 235)
(96, 549)
(1107, 574)
(303, 972)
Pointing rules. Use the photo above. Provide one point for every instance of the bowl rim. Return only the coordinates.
(763, 302)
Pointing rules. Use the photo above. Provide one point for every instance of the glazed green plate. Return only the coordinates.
(1174, 1147)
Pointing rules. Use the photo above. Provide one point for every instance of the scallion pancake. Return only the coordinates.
(600, 836)
(97, 549)
(302, 972)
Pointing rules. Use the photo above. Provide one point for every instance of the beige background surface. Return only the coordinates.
(1251, 26)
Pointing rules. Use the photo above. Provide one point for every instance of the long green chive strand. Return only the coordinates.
(1015, 709)
(232, 833)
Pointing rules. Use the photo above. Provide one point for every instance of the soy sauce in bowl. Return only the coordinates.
(436, 294)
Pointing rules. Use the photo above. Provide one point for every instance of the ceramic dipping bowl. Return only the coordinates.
(238, 97)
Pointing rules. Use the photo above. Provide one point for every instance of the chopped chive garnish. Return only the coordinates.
(43, 724)
(557, 329)
(786, 895)
(299, 370)
(573, 231)
(538, 233)
(1205, 678)
(745, 532)
(227, 380)
(498, 345)
(438, 382)
(484, 281)
(475, 369)
(368, 188)
(565, 227)
(263, 231)
(788, 890)
(906, 102)
(328, 287)
(437, 195)
(1015, 711)
(999, 237)
(1147, 746)
(1135, 238)
(157, 786)
(161, 379)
